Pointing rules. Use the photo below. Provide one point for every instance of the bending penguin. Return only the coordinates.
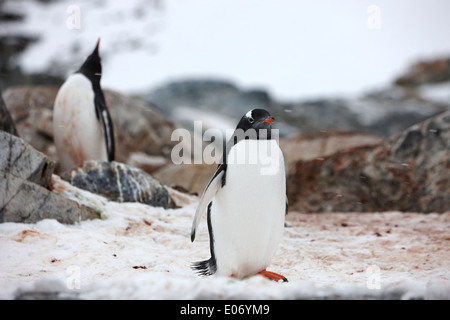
(82, 125)
(245, 202)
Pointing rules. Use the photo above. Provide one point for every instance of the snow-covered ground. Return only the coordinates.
(291, 48)
(141, 252)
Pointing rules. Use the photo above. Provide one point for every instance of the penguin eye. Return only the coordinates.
(251, 120)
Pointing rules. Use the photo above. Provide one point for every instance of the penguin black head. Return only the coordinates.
(92, 66)
(259, 120)
(254, 125)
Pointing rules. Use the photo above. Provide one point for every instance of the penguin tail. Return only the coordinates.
(205, 268)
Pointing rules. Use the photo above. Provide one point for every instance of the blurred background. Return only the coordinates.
(292, 49)
(336, 74)
(275, 51)
(360, 90)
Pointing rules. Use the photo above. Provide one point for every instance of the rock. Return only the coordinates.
(427, 71)
(25, 173)
(27, 202)
(219, 104)
(191, 178)
(318, 145)
(409, 172)
(320, 114)
(6, 122)
(383, 112)
(202, 94)
(147, 163)
(181, 199)
(138, 126)
(28, 106)
(119, 182)
(23, 161)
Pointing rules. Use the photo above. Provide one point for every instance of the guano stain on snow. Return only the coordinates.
(322, 255)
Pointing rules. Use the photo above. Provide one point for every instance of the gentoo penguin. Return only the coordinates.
(245, 202)
(82, 125)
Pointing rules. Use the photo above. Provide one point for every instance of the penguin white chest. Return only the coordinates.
(247, 214)
(78, 134)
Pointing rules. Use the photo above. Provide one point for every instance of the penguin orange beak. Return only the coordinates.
(269, 120)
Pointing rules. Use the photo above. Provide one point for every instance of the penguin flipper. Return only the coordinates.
(210, 191)
(103, 115)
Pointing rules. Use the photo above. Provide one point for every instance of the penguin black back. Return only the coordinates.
(92, 69)
(92, 66)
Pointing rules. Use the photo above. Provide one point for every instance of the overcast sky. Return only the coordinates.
(292, 48)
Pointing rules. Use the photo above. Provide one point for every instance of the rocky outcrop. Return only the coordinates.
(382, 112)
(321, 144)
(25, 175)
(31, 109)
(409, 172)
(208, 95)
(119, 182)
(27, 202)
(190, 178)
(140, 131)
(23, 161)
(138, 126)
(218, 104)
(427, 71)
(147, 163)
(193, 178)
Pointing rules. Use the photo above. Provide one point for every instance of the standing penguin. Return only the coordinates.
(82, 125)
(245, 202)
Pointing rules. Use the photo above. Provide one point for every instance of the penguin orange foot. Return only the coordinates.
(272, 276)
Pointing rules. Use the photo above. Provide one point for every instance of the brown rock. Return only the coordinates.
(139, 127)
(410, 172)
(192, 178)
(28, 107)
(429, 71)
(320, 144)
(147, 163)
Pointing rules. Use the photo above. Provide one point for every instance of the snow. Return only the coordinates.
(291, 48)
(437, 93)
(141, 252)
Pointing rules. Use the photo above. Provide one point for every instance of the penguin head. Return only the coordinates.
(254, 125)
(92, 66)
(257, 119)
